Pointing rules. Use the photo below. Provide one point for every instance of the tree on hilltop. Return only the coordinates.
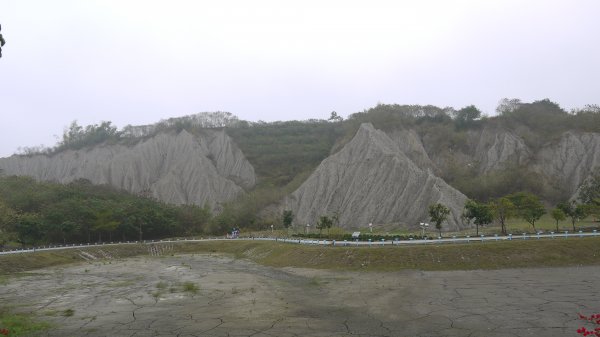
(466, 116)
(335, 117)
(506, 106)
(2, 42)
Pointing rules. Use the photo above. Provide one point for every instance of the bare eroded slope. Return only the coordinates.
(177, 168)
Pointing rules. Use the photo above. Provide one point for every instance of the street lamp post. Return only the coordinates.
(423, 226)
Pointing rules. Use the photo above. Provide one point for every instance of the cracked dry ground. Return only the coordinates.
(145, 297)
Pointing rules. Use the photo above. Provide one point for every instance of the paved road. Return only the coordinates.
(453, 240)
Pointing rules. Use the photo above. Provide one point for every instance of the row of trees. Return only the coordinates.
(324, 222)
(522, 205)
(525, 206)
(75, 136)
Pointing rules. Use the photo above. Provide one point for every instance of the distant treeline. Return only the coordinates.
(76, 137)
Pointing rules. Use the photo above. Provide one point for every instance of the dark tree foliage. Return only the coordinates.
(334, 117)
(558, 215)
(467, 116)
(586, 119)
(574, 211)
(281, 151)
(495, 184)
(2, 42)
(287, 218)
(29, 229)
(503, 209)
(77, 137)
(38, 213)
(528, 207)
(507, 106)
(481, 214)
(438, 214)
(390, 117)
(193, 219)
(537, 122)
(325, 222)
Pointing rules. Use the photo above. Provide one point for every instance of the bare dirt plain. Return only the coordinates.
(155, 296)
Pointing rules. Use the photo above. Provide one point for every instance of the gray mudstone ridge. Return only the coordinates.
(177, 168)
(371, 180)
(495, 148)
(571, 159)
(410, 144)
(488, 149)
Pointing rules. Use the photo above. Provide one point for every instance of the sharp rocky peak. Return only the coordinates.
(370, 180)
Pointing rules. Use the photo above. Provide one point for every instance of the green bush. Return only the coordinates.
(190, 287)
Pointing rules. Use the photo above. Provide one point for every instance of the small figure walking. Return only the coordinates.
(2, 42)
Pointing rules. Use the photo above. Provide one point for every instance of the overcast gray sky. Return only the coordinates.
(136, 62)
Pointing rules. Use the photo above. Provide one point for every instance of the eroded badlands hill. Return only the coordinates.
(565, 163)
(178, 168)
(371, 180)
(570, 160)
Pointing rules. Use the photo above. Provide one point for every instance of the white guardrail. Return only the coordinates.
(356, 243)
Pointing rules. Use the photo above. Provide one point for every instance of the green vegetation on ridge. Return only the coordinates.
(281, 151)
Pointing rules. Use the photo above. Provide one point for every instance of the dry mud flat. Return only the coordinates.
(155, 296)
